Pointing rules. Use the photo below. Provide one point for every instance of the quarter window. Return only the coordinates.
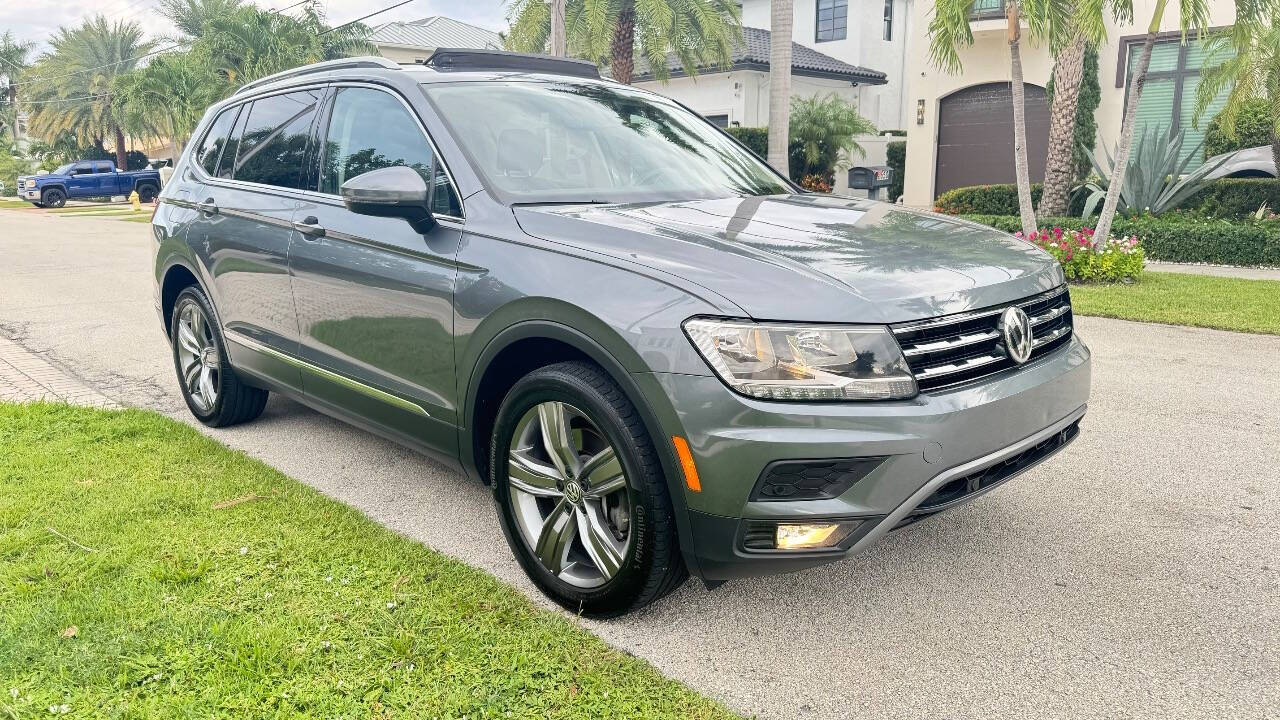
(273, 144)
(833, 20)
(369, 130)
(214, 140)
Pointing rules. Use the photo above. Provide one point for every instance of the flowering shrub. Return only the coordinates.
(1084, 258)
(815, 183)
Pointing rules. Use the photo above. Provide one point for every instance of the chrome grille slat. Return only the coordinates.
(964, 347)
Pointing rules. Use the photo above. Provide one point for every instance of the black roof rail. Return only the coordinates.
(367, 61)
(468, 59)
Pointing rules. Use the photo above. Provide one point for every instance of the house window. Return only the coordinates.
(986, 9)
(720, 121)
(833, 20)
(888, 19)
(1169, 96)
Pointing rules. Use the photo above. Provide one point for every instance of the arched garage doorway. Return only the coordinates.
(975, 136)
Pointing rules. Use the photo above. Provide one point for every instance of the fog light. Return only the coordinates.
(797, 536)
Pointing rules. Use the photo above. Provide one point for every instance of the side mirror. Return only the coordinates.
(391, 192)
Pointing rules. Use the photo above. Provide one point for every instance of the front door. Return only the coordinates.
(375, 297)
(83, 181)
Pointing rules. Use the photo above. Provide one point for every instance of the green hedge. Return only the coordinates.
(1253, 128)
(1237, 198)
(896, 158)
(1180, 239)
(757, 141)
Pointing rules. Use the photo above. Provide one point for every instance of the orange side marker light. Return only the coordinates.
(686, 463)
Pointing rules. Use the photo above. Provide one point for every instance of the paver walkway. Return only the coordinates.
(25, 376)
(1216, 270)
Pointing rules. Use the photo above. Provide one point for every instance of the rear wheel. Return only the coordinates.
(581, 492)
(213, 391)
(146, 193)
(53, 197)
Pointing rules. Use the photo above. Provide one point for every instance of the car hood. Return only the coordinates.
(815, 258)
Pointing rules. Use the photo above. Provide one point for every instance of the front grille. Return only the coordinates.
(984, 479)
(956, 349)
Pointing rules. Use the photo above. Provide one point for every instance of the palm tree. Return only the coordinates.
(13, 63)
(824, 128)
(1250, 72)
(190, 16)
(70, 88)
(1193, 15)
(250, 43)
(166, 99)
(1047, 21)
(608, 32)
(781, 18)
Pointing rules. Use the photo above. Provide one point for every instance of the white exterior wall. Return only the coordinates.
(864, 45)
(987, 60)
(714, 94)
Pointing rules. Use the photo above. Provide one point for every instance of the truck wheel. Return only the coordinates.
(37, 204)
(53, 197)
(146, 193)
(581, 492)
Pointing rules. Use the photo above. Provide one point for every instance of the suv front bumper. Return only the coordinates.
(934, 442)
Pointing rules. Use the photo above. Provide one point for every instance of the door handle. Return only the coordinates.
(310, 226)
(208, 207)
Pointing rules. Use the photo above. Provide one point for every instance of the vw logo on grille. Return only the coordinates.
(1015, 328)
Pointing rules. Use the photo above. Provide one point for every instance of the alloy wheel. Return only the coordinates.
(569, 494)
(198, 359)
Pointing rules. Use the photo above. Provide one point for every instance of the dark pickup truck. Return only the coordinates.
(87, 179)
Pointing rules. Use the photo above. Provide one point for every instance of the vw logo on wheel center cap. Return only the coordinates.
(573, 492)
(1015, 330)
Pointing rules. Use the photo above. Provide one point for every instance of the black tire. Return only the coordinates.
(146, 193)
(38, 204)
(652, 565)
(53, 197)
(234, 401)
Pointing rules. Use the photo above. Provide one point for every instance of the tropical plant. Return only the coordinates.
(13, 63)
(609, 32)
(825, 128)
(166, 99)
(1155, 180)
(251, 43)
(1086, 125)
(190, 16)
(781, 19)
(70, 88)
(1249, 72)
(1068, 76)
(1193, 16)
(1254, 126)
(1085, 258)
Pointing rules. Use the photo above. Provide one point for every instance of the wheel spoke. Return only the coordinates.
(206, 385)
(554, 422)
(598, 541)
(528, 475)
(558, 531)
(191, 374)
(187, 339)
(603, 473)
(197, 325)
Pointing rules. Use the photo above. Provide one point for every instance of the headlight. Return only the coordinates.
(31, 183)
(797, 362)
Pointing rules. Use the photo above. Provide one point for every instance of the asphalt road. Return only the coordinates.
(1136, 575)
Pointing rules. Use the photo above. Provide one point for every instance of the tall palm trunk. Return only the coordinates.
(1103, 229)
(1060, 162)
(1021, 171)
(121, 157)
(780, 22)
(622, 62)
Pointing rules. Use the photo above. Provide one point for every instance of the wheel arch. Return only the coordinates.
(176, 278)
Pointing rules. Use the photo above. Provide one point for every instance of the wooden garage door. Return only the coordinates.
(975, 136)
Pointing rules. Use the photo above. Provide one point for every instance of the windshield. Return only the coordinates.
(64, 169)
(538, 142)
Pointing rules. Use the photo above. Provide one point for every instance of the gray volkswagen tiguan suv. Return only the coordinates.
(661, 355)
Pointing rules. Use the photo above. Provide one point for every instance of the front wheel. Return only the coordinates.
(53, 197)
(581, 492)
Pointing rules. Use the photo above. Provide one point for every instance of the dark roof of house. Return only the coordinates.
(753, 54)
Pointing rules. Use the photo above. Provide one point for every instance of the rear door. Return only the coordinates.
(108, 179)
(375, 297)
(246, 206)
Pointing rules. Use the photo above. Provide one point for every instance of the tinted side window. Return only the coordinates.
(215, 139)
(370, 129)
(228, 160)
(102, 167)
(273, 146)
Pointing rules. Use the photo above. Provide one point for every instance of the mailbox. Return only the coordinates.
(870, 178)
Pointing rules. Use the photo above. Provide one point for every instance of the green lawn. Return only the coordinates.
(147, 571)
(1181, 299)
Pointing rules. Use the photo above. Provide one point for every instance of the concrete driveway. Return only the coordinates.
(1136, 575)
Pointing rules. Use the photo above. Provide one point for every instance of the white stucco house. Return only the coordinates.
(960, 130)
(414, 41)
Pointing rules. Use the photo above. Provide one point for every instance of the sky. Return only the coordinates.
(37, 19)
